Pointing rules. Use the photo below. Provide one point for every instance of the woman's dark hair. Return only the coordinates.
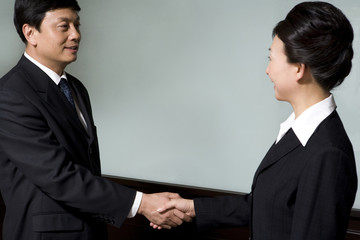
(32, 12)
(320, 36)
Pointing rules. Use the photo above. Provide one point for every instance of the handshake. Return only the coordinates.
(166, 210)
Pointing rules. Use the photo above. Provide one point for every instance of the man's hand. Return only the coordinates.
(167, 218)
(183, 208)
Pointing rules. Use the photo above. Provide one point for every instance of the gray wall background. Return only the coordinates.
(179, 89)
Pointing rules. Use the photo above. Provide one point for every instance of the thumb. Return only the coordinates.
(168, 205)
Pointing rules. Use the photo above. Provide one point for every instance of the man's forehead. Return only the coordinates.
(63, 14)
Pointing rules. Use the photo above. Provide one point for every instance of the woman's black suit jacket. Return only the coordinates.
(49, 164)
(298, 193)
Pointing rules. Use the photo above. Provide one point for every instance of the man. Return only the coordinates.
(49, 157)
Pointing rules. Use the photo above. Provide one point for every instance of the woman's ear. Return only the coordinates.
(29, 33)
(301, 68)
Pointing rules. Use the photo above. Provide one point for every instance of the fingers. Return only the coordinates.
(171, 219)
(175, 218)
(154, 226)
(183, 216)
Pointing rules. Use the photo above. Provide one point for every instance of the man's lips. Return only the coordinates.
(73, 48)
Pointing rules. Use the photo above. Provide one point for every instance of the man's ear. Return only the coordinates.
(30, 33)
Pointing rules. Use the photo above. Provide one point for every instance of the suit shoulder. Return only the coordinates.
(13, 78)
(330, 142)
(331, 132)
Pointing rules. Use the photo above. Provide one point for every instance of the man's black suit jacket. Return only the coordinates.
(49, 163)
(298, 193)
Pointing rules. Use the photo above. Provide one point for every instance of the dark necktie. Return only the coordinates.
(65, 89)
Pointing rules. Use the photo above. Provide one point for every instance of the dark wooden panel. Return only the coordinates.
(138, 228)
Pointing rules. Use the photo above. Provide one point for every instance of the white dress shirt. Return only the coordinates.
(56, 78)
(305, 124)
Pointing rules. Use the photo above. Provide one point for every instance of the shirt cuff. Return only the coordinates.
(135, 205)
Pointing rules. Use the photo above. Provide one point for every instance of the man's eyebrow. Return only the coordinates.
(68, 19)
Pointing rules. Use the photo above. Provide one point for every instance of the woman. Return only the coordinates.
(305, 186)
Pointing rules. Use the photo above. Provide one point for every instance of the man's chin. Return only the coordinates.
(71, 60)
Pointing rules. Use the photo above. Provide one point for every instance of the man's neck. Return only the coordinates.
(56, 68)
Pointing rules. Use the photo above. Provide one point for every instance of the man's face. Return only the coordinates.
(57, 42)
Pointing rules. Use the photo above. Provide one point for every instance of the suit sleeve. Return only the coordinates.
(222, 211)
(325, 196)
(31, 146)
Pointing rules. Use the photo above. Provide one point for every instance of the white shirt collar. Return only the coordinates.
(53, 75)
(305, 125)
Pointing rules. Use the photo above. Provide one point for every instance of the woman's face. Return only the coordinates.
(281, 72)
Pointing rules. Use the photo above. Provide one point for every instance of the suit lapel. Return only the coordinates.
(277, 151)
(51, 94)
(84, 105)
